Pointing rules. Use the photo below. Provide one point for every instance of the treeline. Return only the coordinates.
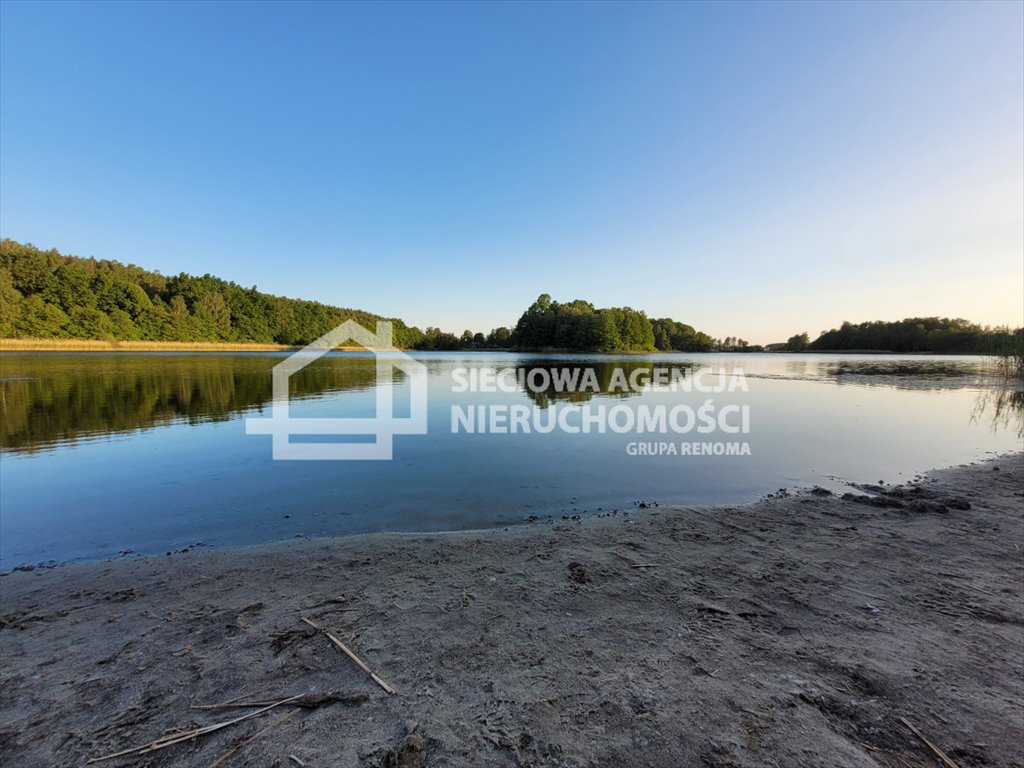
(436, 339)
(45, 295)
(579, 327)
(937, 335)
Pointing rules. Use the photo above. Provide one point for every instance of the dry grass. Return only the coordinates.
(99, 345)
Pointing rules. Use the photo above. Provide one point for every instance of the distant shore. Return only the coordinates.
(803, 629)
(102, 345)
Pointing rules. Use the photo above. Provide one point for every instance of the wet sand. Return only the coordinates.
(795, 631)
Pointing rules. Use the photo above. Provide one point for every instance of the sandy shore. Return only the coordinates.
(796, 631)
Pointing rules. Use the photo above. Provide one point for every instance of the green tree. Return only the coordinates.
(940, 335)
(39, 320)
(10, 304)
(798, 343)
(499, 337)
(214, 317)
(90, 323)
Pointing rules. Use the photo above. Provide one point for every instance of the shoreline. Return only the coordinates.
(538, 521)
(101, 345)
(799, 628)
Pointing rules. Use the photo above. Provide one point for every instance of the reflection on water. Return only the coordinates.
(884, 370)
(105, 452)
(574, 381)
(915, 374)
(1002, 409)
(47, 400)
(50, 399)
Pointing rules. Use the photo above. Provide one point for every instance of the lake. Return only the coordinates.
(103, 454)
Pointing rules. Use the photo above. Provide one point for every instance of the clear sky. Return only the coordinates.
(754, 170)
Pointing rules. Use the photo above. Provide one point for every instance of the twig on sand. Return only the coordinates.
(347, 652)
(945, 759)
(239, 697)
(227, 704)
(231, 701)
(306, 700)
(246, 742)
(177, 738)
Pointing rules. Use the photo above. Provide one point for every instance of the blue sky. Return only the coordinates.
(752, 169)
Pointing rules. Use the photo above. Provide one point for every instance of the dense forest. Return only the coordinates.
(921, 334)
(577, 326)
(45, 295)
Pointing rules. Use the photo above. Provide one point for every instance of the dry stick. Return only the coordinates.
(231, 702)
(239, 697)
(180, 736)
(227, 705)
(306, 701)
(246, 742)
(177, 738)
(356, 659)
(945, 759)
(237, 704)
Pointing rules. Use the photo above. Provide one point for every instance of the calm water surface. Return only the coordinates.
(102, 453)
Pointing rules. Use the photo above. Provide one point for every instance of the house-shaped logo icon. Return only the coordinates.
(382, 426)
